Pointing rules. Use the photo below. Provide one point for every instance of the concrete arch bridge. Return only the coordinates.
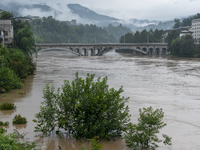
(98, 49)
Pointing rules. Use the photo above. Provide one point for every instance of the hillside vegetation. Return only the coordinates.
(49, 30)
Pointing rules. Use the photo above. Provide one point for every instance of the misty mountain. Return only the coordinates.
(160, 26)
(103, 20)
(16, 7)
(89, 16)
(144, 22)
(86, 13)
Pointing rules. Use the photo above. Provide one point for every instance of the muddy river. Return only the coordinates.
(161, 82)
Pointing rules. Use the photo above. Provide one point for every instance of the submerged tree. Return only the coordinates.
(84, 108)
(143, 135)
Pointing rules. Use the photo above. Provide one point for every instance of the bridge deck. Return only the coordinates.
(101, 44)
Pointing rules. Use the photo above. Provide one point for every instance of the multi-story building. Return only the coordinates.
(196, 30)
(6, 32)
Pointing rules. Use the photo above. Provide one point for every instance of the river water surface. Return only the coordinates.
(172, 84)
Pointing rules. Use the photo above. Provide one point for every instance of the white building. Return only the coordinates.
(24, 19)
(185, 32)
(196, 29)
(6, 32)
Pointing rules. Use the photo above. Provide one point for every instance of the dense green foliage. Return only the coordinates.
(144, 134)
(9, 80)
(7, 106)
(143, 37)
(182, 47)
(18, 119)
(14, 65)
(23, 36)
(49, 30)
(10, 142)
(6, 15)
(16, 62)
(21, 63)
(186, 21)
(171, 36)
(84, 109)
(4, 123)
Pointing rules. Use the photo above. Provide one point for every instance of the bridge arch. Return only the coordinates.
(144, 49)
(137, 47)
(150, 51)
(164, 51)
(83, 51)
(58, 49)
(157, 51)
(133, 50)
(77, 50)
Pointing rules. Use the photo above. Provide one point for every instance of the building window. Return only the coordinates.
(5, 39)
(6, 32)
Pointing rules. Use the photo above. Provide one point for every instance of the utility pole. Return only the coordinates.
(95, 39)
(124, 38)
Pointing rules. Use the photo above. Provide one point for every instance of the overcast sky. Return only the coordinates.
(139, 9)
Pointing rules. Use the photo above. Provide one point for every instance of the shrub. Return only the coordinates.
(18, 119)
(143, 135)
(7, 106)
(4, 123)
(9, 142)
(2, 130)
(85, 109)
(8, 80)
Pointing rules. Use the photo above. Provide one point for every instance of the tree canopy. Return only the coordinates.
(182, 47)
(48, 30)
(144, 134)
(143, 37)
(84, 109)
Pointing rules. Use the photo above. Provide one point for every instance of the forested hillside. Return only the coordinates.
(186, 21)
(49, 30)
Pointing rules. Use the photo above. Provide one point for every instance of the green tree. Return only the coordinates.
(143, 135)
(143, 36)
(158, 35)
(177, 23)
(6, 15)
(128, 38)
(25, 40)
(183, 47)
(150, 36)
(8, 80)
(84, 108)
(187, 47)
(175, 47)
(136, 37)
(171, 36)
(19, 63)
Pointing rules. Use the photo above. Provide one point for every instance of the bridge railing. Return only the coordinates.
(101, 44)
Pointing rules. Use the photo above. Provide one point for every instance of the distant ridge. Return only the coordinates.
(86, 13)
(89, 16)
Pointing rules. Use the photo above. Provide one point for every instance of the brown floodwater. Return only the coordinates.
(161, 82)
